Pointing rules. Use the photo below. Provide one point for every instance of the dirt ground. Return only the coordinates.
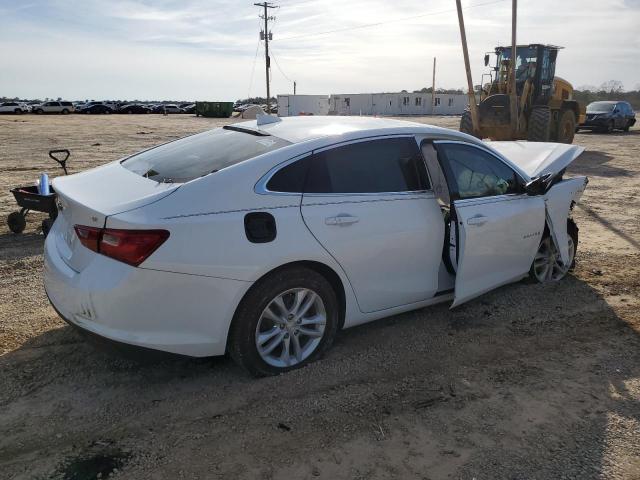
(526, 382)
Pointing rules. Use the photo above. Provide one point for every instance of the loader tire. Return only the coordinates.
(466, 123)
(539, 128)
(566, 128)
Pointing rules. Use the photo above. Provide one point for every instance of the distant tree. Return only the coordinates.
(612, 86)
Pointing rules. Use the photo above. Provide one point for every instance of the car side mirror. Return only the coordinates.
(486, 60)
(537, 186)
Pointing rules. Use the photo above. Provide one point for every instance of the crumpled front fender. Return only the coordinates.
(558, 200)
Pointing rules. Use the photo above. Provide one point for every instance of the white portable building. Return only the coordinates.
(397, 104)
(293, 105)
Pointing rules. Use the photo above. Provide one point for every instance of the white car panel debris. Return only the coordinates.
(558, 201)
(538, 158)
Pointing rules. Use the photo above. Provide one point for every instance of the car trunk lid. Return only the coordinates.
(88, 198)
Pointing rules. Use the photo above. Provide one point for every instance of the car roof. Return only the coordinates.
(304, 128)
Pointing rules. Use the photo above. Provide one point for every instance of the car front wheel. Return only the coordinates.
(547, 265)
(287, 320)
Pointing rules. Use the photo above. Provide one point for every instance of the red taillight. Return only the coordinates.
(89, 236)
(131, 246)
(128, 246)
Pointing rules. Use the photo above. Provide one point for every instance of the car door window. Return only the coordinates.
(473, 172)
(373, 166)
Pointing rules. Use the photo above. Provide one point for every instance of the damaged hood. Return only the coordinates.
(538, 158)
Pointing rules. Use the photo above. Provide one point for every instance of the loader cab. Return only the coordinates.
(535, 63)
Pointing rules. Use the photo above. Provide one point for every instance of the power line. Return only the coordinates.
(278, 65)
(253, 70)
(402, 19)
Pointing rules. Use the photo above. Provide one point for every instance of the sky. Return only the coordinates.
(210, 49)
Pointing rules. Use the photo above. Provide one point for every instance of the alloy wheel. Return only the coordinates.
(291, 327)
(547, 264)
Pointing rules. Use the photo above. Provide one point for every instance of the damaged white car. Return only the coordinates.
(264, 238)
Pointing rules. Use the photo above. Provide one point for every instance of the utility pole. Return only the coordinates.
(266, 36)
(294, 87)
(473, 106)
(433, 88)
(515, 124)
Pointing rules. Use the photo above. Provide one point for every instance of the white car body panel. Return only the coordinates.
(183, 297)
(390, 245)
(558, 203)
(498, 238)
(142, 307)
(538, 158)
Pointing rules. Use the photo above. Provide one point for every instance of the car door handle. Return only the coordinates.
(341, 219)
(477, 220)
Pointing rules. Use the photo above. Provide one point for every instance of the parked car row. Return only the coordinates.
(94, 107)
(241, 107)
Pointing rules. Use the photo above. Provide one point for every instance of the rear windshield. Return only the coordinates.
(201, 154)
(600, 107)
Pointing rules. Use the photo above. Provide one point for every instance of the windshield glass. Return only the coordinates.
(198, 155)
(602, 107)
(526, 58)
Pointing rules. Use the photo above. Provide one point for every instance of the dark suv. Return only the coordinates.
(607, 116)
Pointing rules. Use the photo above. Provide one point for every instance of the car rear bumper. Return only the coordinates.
(171, 312)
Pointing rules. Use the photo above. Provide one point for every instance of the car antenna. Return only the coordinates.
(264, 119)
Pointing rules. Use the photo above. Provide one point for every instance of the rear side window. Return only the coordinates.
(375, 166)
(201, 154)
(290, 178)
(473, 172)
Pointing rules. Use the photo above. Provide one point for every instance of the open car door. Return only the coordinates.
(497, 240)
(498, 227)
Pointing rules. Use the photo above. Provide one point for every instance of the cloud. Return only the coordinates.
(197, 49)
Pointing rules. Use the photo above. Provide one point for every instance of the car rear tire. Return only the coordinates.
(539, 128)
(547, 265)
(39, 111)
(65, 111)
(627, 126)
(286, 321)
(18, 111)
(566, 128)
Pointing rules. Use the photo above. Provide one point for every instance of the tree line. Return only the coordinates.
(611, 90)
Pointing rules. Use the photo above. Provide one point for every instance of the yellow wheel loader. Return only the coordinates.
(546, 111)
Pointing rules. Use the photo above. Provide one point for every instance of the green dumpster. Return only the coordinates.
(214, 109)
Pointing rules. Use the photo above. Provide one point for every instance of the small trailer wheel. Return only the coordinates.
(16, 222)
(47, 223)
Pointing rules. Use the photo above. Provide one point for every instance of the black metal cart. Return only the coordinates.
(29, 199)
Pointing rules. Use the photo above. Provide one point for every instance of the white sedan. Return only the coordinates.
(264, 238)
